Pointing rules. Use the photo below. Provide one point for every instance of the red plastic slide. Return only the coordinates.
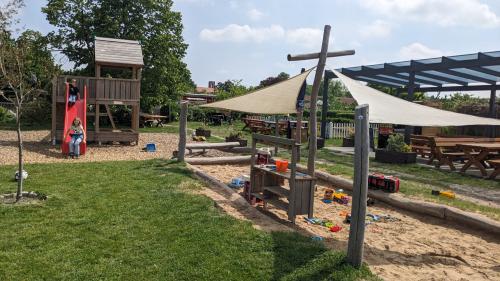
(78, 109)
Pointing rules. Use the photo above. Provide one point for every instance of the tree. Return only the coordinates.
(230, 89)
(273, 80)
(19, 66)
(151, 22)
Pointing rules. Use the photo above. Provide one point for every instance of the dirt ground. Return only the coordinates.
(39, 150)
(413, 247)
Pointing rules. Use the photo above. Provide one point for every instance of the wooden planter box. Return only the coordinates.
(393, 157)
(348, 142)
(203, 133)
(243, 142)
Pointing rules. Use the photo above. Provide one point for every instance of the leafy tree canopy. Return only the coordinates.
(231, 89)
(273, 80)
(151, 22)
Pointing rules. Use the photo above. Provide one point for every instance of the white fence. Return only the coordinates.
(342, 130)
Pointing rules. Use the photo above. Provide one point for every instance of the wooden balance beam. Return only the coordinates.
(205, 146)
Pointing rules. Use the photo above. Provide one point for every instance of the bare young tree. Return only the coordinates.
(17, 85)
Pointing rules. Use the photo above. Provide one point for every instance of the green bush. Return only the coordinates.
(37, 112)
(397, 143)
(6, 116)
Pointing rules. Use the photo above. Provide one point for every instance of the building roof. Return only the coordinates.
(118, 52)
(207, 90)
(463, 72)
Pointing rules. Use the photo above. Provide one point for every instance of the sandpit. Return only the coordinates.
(37, 149)
(414, 247)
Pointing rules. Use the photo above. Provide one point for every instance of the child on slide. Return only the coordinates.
(77, 136)
(74, 92)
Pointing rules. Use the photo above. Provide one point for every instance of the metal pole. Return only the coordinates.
(314, 98)
(411, 91)
(493, 109)
(360, 188)
(182, 131)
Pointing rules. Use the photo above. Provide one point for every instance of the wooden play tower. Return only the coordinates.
(122, 56)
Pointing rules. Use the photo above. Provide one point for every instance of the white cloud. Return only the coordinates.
(377, 29)
(304, 37)
(441, 12)
(255, 14)
(242, 33)
(418, 51)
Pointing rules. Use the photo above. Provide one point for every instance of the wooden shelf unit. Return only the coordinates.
(268, 185)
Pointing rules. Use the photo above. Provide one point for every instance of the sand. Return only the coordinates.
(37, 149)
(413, 248)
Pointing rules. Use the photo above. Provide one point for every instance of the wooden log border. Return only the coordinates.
(219, 160)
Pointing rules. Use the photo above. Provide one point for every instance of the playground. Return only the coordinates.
(115, 165)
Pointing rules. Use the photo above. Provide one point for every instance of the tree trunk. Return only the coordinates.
(19, 193)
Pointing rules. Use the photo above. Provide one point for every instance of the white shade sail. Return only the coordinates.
(387, 109)
(280, 98)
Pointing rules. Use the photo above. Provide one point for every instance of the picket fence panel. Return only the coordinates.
(342, 130)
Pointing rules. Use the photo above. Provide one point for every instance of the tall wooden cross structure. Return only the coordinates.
(315, 90)
(358, 212)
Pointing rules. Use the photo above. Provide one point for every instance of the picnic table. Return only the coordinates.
(149, 119)
(478, 153)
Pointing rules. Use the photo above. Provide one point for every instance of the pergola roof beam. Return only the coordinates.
(416, 66)
(442, 78)
(468, 76)
(457, 88)
(485, 70)
(377, 81)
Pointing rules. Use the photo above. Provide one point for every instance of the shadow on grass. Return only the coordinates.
(297, 257)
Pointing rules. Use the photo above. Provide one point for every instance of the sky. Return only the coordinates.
(249, 40)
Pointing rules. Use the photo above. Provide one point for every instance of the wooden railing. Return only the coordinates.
(103, 89)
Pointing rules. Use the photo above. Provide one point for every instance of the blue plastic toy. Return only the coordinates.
(151, 147)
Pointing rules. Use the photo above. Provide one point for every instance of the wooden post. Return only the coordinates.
(135, 117)
(182, 131)
(324, 109)
(360, 187)
(98, 70)
(96, 126)
(314, 99)
(53, 132)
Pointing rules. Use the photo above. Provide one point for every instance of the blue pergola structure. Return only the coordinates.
(471, 72)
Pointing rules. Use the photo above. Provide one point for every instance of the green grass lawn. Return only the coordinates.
(143, 221)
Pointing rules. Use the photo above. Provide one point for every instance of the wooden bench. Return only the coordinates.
(446, 150)
(256, 126)
(422, 145)
(495, 164)
(150, 119)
